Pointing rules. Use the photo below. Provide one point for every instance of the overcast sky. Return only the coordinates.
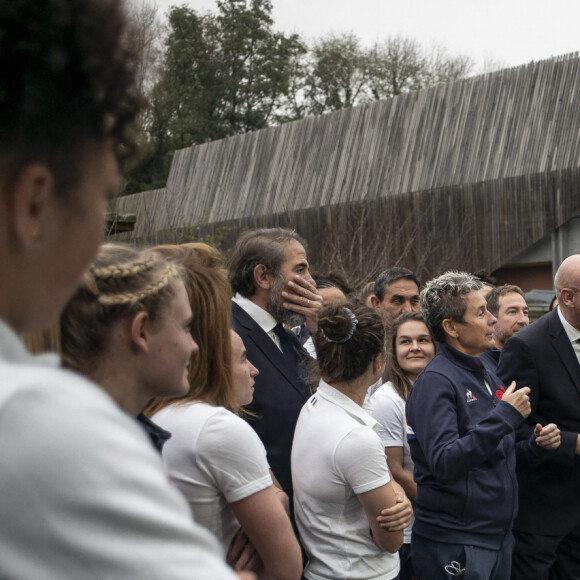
(512, 32)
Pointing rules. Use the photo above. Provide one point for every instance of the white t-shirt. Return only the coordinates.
(84, 494)
(388, 408)
(372, 389)
(336, 455)
(214, 458)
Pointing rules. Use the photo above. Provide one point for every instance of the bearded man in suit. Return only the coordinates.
(274, 290)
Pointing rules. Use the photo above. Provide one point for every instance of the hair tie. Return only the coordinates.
(354, 322)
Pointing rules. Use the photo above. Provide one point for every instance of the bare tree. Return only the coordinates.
(397, 65)
(341, 73)
(441, 67)
(147, 32)
(492, 64)
(364, 238)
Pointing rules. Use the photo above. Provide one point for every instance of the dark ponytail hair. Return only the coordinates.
(348, 339)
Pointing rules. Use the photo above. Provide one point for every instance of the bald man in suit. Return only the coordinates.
(545, 356)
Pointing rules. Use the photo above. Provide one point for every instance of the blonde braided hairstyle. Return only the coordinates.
(121, 282)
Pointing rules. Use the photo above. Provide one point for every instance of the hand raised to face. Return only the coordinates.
(300, 296)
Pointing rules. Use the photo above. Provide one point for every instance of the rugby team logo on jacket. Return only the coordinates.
(500, 391)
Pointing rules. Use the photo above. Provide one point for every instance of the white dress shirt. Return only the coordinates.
(572, 333)
(260, 316)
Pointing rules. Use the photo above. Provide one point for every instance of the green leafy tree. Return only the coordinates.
(185, 97)
(226, 73)
(223, 74)
(338, 74)
(256, 64)
(230, 72)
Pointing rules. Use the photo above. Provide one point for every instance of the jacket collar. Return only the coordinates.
(470, 363)
(572, 333)
(262, 318)
(157, 435)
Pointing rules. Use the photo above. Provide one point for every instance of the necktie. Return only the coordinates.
(286, 344)
(576, 347)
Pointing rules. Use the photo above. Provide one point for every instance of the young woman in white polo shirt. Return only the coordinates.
(214, 457)
(340, 476)
(410, 347)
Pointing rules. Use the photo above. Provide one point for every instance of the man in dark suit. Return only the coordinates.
(545, 357)
(269, 274)
(273, 287)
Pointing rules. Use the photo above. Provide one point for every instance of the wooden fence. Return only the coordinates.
(463, 175)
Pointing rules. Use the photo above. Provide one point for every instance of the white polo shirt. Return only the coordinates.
(388, 408)
(336, 455)
(215, 459)
(84, 494)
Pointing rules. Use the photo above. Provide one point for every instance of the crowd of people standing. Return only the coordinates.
(254, 421)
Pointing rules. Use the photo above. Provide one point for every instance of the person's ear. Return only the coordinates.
(262, 279)
(379, 362)
(29, 201)
(140, 331)
(566, 297)
(450, 328)
(374, 301)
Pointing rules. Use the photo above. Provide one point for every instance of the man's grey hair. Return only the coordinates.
(445, 297)
(265, 246)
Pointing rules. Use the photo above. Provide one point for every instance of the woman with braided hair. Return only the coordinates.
(127, 328)
(340, 476)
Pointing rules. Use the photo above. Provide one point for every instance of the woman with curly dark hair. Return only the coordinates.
(462, 425)
(83, 492)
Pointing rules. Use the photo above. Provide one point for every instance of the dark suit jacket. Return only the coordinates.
(542, 358)
(280, 391)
